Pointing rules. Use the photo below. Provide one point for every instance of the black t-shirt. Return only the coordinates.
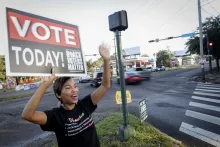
(73, 128)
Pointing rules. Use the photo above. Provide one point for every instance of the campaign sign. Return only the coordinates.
(32, 86)
(37, 44)
(143, 109)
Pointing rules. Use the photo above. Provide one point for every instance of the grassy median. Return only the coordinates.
(146, 134)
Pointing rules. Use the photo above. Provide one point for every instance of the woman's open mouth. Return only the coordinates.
(74, 97)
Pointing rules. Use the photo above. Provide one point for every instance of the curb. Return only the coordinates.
(22, 98)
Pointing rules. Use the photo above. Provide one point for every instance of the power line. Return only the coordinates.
(149, 7)
(144, 2)
(207, 12)
(177, 13)
(213, 7)
(208, 3)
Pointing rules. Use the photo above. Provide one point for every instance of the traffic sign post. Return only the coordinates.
(117, 23)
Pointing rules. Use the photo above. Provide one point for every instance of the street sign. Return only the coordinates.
(143, 109)
(202, 60)
(118, 97)
(188, 35)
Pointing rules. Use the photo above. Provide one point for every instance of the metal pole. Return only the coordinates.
(201, 38)
(122, 81)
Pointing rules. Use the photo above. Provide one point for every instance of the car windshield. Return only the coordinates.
(131, 69)
(139, 69)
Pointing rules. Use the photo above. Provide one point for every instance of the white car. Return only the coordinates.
(84, 79)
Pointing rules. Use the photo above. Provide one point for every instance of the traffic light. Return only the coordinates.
(210, 44)
(169, 38)
(151, 41)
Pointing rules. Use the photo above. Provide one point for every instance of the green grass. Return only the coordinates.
(19, 96)
(146, 134)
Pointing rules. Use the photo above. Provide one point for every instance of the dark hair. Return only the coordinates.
(58, 85)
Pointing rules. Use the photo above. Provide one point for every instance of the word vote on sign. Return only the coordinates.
(36, 44)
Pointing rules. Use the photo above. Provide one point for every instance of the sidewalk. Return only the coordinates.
(213, 78)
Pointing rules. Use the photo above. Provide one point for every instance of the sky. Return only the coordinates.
(147, 20)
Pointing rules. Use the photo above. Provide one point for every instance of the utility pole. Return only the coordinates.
(116, 60)
(201, 39)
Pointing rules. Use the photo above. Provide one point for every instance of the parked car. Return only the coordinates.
(151, 69)
(154, 69)
(162, 68)
(131, 77)
(96, 79)
(143, 72)
(84, 78)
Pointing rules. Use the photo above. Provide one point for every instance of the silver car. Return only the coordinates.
(144, 72)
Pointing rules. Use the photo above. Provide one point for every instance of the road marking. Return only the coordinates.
(208, 87)
(207, 94)
(204, 135)
(207, 90)
(214, 85)
(207, 84)
(205, 117)
(205, 99)
(205, 106)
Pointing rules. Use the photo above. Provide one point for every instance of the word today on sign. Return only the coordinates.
(37, 44)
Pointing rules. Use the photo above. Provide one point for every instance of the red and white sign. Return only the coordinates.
(37, 44)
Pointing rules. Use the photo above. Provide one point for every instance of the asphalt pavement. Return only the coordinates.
(168, 96)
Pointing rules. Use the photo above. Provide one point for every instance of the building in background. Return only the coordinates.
(182, 58)
(132, 57)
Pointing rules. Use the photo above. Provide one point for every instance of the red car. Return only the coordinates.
(131, 78)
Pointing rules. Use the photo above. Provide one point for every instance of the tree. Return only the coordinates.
(2, 67)
(89, 65)
(211, 27)
(163, 57)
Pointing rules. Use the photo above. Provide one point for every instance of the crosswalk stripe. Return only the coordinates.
(205, 106)
(205, 117)
(208, 90)
(207, 94)
(208, 87)
(204, 135)
(214, 85)
(207, 84)
(205, 99)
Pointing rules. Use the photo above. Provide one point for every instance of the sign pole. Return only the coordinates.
(122, 81)
(125, 130)
(201, 39)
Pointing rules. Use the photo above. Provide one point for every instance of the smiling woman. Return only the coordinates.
(72, 121)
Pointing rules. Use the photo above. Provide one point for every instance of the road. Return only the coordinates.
(169, 97)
